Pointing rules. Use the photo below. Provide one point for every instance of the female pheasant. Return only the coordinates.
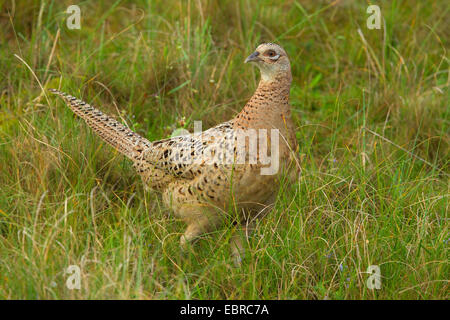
(222, 172)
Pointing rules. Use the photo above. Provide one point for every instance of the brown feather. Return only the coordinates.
(112, 132)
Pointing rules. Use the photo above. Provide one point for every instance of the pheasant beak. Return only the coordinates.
(253, 57)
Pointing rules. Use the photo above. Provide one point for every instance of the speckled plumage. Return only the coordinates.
(202, 189)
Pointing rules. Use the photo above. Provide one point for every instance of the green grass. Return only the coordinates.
(372, 116)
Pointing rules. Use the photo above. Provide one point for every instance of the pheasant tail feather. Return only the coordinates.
(114, 133)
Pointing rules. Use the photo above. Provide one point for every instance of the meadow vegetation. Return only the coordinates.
(372, 114)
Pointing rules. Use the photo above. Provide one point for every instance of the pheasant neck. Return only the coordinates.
(270, 100)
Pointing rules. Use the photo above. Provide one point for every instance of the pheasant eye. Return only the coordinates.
(272, 55)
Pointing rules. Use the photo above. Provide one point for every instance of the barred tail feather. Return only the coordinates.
(114, 133)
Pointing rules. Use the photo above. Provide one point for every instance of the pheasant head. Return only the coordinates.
(272, 60)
